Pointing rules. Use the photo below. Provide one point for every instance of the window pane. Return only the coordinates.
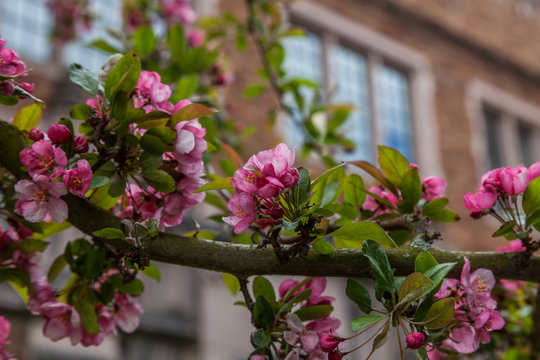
(526, 144)
(493, 138)
(350, 71)
(26, 25)
(393, 102)
(303, 59)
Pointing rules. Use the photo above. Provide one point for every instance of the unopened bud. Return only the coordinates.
(80, 145)
(415, 340)
(335, 356)
(59, 134)
(328, 342)
(35, 135)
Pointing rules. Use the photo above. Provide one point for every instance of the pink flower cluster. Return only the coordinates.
(71, 17)
(11, 66)
(39, 198)
(499, 182)
(317, 339)
(475, 311)
(262, 178)
(189, 148)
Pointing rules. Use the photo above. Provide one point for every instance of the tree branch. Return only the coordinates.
(244, 260)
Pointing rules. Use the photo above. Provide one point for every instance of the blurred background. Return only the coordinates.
(454, 85)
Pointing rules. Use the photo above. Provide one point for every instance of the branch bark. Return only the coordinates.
(244, 260)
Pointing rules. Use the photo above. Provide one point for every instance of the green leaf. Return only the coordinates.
(533, 218)
(261, 338)
(177, 43)
(109, 233)
(85, 78)
(323, 247)
(159, 180)
(263, 287)
(357, 292)
(355, 193)
(327, 174)
(152, 271)
(254, 90)
(124, 76)
(99, 181)
(380, 339)
(190, 112)
(154, 119)
(438, 273)
(95, 260)
(393, 164)
(153, 144)
(434, 206)
(81, 112)
(134, 287)
(302, 189)
(531, 197)
(263, 313)
(20, 290)
(145, 40)
(414, 283)
(88, 316)
(300, 297)
(28, 117)
(330, 192)
(9, 100)
(56, 267)
(504, 229)
(440, 314)
(118, 187)
(105, 46)
(411, 191)
(313, 312)
(375, 173)
(379, 264)
(231, 282)
(227, 166)
(31, 245)
(354, 234)
(219, 184)
(424, 261)
(186, 86)
(361, 322)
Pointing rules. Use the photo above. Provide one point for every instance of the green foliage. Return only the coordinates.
(263, 287)
(440, 314)
(109, 233)
(28, 117)
(380, 266)
(123, 77)
(361, 322)
(219, 184)
(231, 282)
(85, 78)
(354, 234)
(357, 292)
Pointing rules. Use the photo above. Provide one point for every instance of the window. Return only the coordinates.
(378, 90)
(26, 24)
(506, 129)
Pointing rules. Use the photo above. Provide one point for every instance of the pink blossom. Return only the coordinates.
(433, 187)
(61, 320)
(7, 88)
(374, 205)
(534, 171)
(195, 37)
(28, 87)
(272, 209)
(59, 134)
(335, 356)
(127, 313)
(492, 180)
(415, 340)
(137, 203)
(43, 159)
(244, 208)
(5, 328)
(150, 93)
(177, 204)
(258, 357)
(329, 342)
(80, 145)
(484, 199)
(36, 135)
(9, 65)
(245, 181)
(276, 168)
(514, 180)
(463, 337)
(42, 293)
(189, 147)
(78, 180)
(39, 199)
(178, 12)
(478, 286)
(106, 324)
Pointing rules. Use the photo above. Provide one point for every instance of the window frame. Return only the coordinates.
(380, 50)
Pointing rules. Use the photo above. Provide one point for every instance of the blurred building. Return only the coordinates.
(454, 85)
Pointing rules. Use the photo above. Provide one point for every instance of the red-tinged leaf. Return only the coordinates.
(233, 155)
(376, 173)
(190, 112)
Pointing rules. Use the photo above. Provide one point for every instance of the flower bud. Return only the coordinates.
(59, 134)
(335, 356)
(35, 135)
(328, 342)
(80, 145)
(6, 88)
(415, 340)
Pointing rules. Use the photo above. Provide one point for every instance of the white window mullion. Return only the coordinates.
(374, 64)
(510, 140)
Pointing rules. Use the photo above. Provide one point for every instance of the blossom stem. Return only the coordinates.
(368, 340)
